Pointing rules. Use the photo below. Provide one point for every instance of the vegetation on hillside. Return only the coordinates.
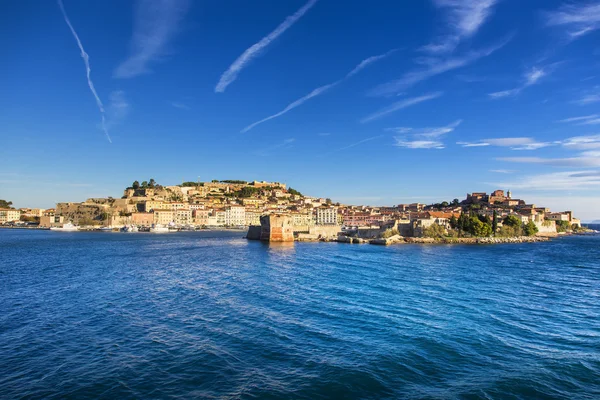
(5, 204)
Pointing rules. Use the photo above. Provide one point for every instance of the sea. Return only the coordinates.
(210, 315)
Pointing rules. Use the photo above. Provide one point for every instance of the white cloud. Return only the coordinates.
(357, 143)
(320, 90)
(86, 61)
(556, 162)
(424, 138)
(436, 67)
(118, 108)
(503, 171)
(579, 119)
(588, 99)
(179, 105)
(530, 77)
(504, 93)
(399, 105)
(155, 23)
(516, 143)
(428, 132)
(419, 144)
(582, 142)
(465, 17)
(267, 151)
(579, 19)
(580, 180)
(260, 47)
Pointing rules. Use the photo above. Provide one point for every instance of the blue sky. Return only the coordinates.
(364, 102)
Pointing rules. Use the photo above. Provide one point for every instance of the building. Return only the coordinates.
(201, 217)
(9, 215)
(252, 217)
(183, 216)
(142, 218)
(326, 216)
(164, 217)
(302, 219)
(235, 216)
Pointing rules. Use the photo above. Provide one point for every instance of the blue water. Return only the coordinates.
(211, 315)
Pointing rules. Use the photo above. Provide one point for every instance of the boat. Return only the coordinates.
(159, 229)
(106, 229)
(129, 229)
(68, 227)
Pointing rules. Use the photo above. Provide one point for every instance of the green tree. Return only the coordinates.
(495, 222)
(144, 185)
(294, 192)
(328, 201)
(453, 222)
(151, 183)
(530, 229)
(455, 202)
(512, 220)
(562, 226)
(5, 204)
(479, 228)
(135, 185)
(435, 231)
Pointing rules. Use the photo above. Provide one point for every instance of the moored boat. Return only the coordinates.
(68, 227)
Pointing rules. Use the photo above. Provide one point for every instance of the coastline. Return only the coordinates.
(433, 241)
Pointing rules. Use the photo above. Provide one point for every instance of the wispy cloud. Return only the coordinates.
(355, 144)
(118, 108)
(423, 138)
(267, 151)
(419, 144)
(320, 90)
(428, 132)
(86, 61)
(588, 99)
(179, 105)
(316, 92)
(399, 105)
(465, 17)
(433, 68)
(582, 142)
(503, 171)
(584, 119)
(256, 49)
(556, 162)
(156, 22)
(515, 143)
(581, 180)
(530, 77)
(579, 19)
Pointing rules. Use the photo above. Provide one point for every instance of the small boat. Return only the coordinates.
(129, 229)
(106, 229)
(68, 227)
(159, 229)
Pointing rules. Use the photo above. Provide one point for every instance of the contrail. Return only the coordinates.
(86, 61)
(253, 51)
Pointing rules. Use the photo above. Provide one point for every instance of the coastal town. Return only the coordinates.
(272, 211)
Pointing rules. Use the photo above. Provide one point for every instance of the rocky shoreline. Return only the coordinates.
(410, 240)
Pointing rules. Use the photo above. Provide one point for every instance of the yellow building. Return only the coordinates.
(164, 217)
(183, 216)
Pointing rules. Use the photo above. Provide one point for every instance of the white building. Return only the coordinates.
(326, 216)
(235, 216)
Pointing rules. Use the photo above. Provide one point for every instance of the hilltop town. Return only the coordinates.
(240, 204)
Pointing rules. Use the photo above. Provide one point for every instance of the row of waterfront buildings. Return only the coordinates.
(222, 204)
